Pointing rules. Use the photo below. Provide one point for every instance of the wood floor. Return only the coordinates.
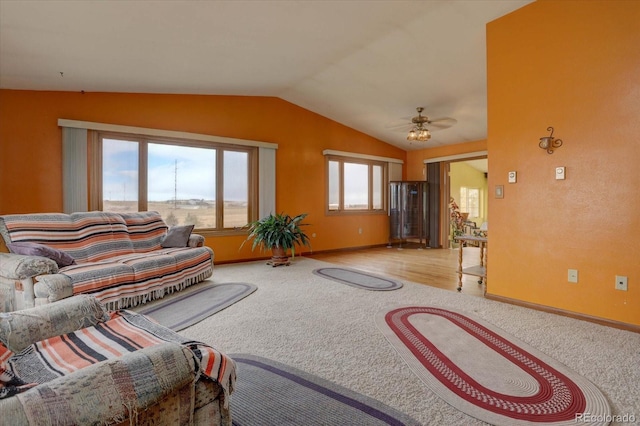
(434, 267)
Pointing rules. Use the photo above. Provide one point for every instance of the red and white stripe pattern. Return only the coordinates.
(146, 230)
(87, 237)
(119, 257)
(557, 398)
(125, 332)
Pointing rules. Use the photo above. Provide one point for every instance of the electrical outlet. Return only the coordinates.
(572, 276)
(512, 177)
(621, 283)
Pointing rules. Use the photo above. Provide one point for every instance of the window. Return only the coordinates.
(355, 185)
(188, 182)
(470, 201)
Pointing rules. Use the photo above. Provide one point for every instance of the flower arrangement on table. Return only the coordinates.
(456, 219)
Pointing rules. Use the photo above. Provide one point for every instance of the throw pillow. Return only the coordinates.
(35, 249)
(178, 236)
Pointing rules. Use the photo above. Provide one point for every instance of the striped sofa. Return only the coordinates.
(118, 257)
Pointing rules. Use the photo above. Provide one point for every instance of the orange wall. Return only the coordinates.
(573, 65)
(30, 152)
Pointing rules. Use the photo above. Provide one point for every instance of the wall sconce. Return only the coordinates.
(549, 143)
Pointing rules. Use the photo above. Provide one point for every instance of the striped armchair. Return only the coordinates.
(123, 259)
(72, 362)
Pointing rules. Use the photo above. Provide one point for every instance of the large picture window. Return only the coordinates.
(210, 186)
(355, 185)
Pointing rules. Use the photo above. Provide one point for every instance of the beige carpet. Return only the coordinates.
(328, 329)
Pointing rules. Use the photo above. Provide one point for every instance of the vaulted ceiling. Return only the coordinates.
(365, 64)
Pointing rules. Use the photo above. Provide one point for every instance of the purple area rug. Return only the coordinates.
(181, 310)
(359, 279)
(271, 393)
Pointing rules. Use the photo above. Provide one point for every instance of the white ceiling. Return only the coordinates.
(482, 165)
(365, 64)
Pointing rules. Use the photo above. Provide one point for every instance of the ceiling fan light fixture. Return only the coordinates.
(418, 126)
(419, 133)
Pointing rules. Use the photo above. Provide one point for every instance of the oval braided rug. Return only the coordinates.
(190, 306)
(488, 374)
(270, 393)
(358, 279)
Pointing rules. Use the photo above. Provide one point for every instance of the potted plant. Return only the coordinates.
(278, 233)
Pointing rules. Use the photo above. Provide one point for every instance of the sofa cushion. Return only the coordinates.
(35, 249)
(132, 279)
(146, 230)
(101, 279)
(191, 261)
(178, 236)
(151, 268)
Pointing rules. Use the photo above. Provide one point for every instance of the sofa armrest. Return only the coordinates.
(19, 267)
(53, 287)
(196, 240)
(107, 392)
(20, 329)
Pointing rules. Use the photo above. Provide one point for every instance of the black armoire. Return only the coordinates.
(408, 204)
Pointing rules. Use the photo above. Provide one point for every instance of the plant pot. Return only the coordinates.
(278, 257)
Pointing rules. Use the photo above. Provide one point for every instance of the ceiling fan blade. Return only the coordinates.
(402, 122)
(441, 123)
(405, 124)
(401, 128)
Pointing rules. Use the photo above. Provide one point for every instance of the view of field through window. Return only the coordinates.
(181, 182)
(356, 180)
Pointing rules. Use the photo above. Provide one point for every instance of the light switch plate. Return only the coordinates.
(512, 177)
(621, 283)
(560, 173)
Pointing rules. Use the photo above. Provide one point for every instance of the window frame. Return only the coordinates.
(467, 198)
(355, 160)
(96, 173)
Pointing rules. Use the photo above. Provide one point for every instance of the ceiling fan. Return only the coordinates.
(420, 126)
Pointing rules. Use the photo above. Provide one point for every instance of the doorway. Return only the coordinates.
(464, 174)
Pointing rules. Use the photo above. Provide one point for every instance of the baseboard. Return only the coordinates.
(343, 250)
(602, 321)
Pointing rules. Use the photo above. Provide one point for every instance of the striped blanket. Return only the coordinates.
(119, 257)
(124, 332)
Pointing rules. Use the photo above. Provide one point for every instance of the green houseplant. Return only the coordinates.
(278, 233)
